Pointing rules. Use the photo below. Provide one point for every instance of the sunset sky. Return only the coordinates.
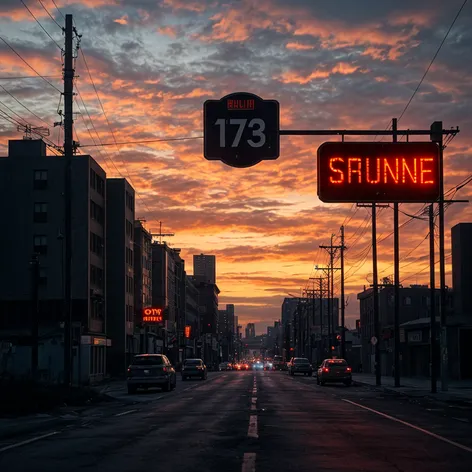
(331, 64)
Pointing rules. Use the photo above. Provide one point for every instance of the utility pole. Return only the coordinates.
(376, 295)
(68, 153)
(437, 137)
(432, 308)
(396, 263)
(34, 263)
(160, 235)
(343, 303)
(331, 251)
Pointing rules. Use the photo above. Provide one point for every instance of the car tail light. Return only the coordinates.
(164, 369)
(348, 369)
(325, 369)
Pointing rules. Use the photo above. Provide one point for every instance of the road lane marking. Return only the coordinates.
(249, 462)
(405, 423)
(123, 413)
(253, 403)
(28, 441)
(252, 430)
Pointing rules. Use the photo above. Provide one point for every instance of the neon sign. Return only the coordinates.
(378, 172)
(153, 315)
(187, 331)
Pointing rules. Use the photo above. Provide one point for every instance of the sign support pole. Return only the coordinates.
(376, 295)
(432, 308)
(396, 263)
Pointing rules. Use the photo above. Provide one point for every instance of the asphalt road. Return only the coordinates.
(246, 421)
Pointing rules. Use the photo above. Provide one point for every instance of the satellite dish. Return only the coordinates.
(370, 278)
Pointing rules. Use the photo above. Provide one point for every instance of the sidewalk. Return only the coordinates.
(419, 387)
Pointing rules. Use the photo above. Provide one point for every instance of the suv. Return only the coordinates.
(151, 370)
(278, 363)
(300, 365)
(194, 368)
(334, 370)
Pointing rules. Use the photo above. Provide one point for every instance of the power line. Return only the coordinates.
(24, 106)
(31, 67)
(143, 142)
(57, 8)
(432, 60)
(31, 77)
(50, 16)
(41, 26)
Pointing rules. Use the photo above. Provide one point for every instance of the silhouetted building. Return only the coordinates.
(120, 275)
(32, 196)
(205, 266)
(461, 242)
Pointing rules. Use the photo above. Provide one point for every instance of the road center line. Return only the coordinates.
(249, 462)
(28, 441)
(405, 423)
(125, 412)
(253, 403)
(252, 431)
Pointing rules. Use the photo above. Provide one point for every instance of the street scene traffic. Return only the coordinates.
(235, 235)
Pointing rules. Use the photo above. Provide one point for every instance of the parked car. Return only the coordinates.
(194, 368)
(300, 365)
(334, 370)
(150, 370)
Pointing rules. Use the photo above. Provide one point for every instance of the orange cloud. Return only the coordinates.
(341, 68)
(122, 21)
(299, 46)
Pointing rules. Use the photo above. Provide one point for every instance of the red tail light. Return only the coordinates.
(164, 369)
(325, 369)
(348, 369)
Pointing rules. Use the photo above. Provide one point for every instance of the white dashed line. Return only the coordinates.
(28, 441)
(253, 403)
(123, 413)
(405, 423)
(252, 431)
(249, 462)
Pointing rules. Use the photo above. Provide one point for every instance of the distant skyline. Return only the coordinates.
(335, 65)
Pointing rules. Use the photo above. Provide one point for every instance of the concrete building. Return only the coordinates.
(120, 275)
(194, 344)
(34, 181)
(143, 286)
(168, 293)
(461, 239)
(205, 266)
(225, 332)
(250, 330)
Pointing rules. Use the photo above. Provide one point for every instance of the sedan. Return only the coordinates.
(334, 370)
(194, 368)
(150, 370)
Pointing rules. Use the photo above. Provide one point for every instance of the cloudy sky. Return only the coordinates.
(337, 64)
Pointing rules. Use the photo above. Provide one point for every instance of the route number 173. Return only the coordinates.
(256, 128)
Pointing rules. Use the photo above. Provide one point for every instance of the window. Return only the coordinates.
(407, 301)
(96, 276)
(40, 212)
(129, 256)
(96, 244)
(129, 201)
(40, 179)
(100, 186)
(43, 278)
(129, 313)
(96, 212)
(40, 243)
(129, 284)
(93, 179)
(129, 229)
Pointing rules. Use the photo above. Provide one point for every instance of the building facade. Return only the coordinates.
(120, 275)
(143, 286)
(35, 182)
(204, 266)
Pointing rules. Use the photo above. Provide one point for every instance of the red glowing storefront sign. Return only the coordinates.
(378, 172)
(153, 315)
(187, 331)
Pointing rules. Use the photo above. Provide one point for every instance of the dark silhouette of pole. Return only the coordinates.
(343, 303)
(432, 308)
(68, 153)
(376, 295)
(34, 316)
(396, 264)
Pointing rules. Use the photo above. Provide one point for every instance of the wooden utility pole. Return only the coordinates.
(432, 308)
(343, 302)
(68, 153)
